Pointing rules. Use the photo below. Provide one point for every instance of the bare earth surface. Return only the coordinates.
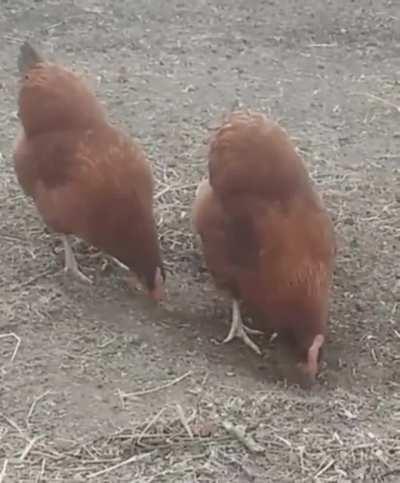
(101, 377)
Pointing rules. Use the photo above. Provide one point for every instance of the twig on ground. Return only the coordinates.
(324, 469)
(150, 424)
(155, 389)
(34, 403)
(183, 420)
(132, 459)
(18, 343)
(246, 440)
(13, 424)
(28, 447)
(121, 398)
(3, 471)
(41, 474)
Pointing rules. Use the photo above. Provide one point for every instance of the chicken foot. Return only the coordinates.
(239, 330)
(71, 265)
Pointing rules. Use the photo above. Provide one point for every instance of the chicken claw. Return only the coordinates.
(239, 330)
(71, 265)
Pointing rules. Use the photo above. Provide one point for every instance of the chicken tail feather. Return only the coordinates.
(28, 57)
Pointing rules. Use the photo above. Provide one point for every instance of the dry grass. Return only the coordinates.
(200, 446)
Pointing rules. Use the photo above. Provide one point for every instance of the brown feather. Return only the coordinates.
(209, 223)
(85, 176)
(278, 240)
(53, 98)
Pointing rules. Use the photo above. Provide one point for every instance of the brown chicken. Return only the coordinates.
(266, 236)
(86, 177)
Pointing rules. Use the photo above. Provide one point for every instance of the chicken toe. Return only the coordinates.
(120, 264)
(252, 331)
(239, 330)
(71, 265)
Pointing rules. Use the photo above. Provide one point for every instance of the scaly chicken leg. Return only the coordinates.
(239, 330)
(71, 265)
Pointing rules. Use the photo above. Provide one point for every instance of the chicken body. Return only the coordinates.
(85, 176)
(266, 236)
(209, 221)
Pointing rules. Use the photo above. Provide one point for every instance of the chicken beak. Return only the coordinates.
(157, 294)
(309, 369)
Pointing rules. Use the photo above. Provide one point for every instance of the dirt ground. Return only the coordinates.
(104, 386)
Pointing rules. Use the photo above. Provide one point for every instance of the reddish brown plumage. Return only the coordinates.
(86, 177)
(266, 235)
(209, 221)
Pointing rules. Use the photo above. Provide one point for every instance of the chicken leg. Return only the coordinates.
(71, 265)
(239, 330)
